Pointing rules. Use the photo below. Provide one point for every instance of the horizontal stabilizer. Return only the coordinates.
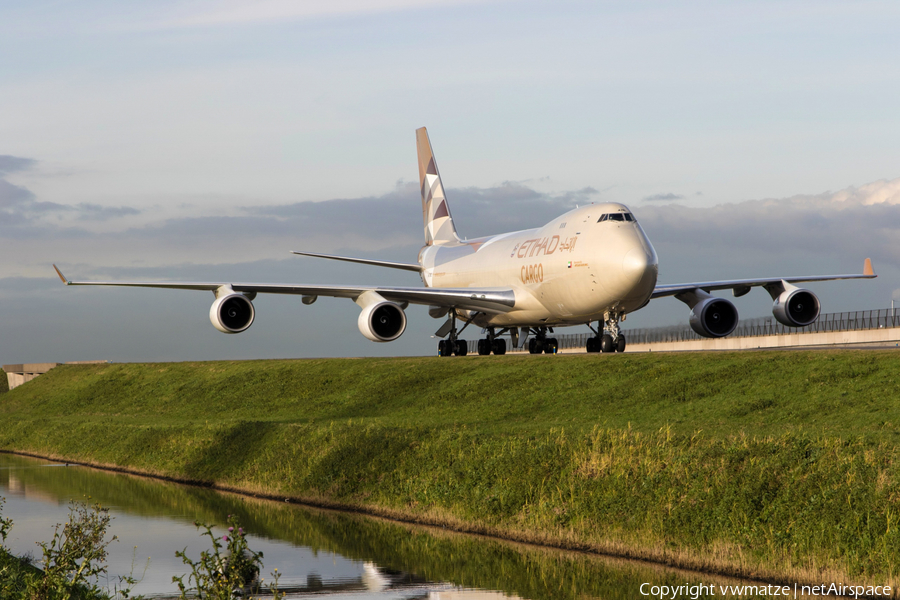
(365, 261)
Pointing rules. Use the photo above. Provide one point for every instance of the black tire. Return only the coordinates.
(551, 346)
(462, 348)
(484, 347)
(534, 346)
(444, 348)
(499, 347)
(607, 344)
(620, 344)
(593, 344)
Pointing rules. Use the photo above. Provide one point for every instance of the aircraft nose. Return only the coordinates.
(638, 267)
(635, 263)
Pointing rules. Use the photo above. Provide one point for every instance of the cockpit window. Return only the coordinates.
(616, 217)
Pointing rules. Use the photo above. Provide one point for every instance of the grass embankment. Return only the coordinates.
(518, 570)
(773, 464)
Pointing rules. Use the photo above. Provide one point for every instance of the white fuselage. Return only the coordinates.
(570, 271)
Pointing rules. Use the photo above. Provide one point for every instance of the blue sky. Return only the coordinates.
(184, 139)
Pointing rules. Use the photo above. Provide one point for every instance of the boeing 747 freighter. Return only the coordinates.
(590, 266)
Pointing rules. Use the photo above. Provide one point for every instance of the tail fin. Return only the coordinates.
(439, 227)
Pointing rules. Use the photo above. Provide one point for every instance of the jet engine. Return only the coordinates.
(713, 317)
(796, 307)
(232, 313)
(382, 321)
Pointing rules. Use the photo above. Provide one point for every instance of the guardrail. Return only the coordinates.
(843, 321)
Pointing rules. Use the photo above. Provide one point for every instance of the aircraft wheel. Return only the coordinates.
(499, 347)
(551, 346)
(534, 346)
(593, 344)
(484, 347)
(620, 344)
(445, 348)
(462, 348)
(607, 344)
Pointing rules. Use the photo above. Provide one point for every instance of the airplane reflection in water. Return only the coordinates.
(319, 552)
(158, 518)
(593, 264)
(379, 580)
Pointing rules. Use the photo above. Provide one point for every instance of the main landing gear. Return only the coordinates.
(611, 340)
(451, 347)
(541, 343)
(454, 345)
(491, 343)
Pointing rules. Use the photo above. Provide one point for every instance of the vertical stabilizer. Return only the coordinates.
(439, 227)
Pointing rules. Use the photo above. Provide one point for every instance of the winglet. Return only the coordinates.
(867, 268)
(61, 276)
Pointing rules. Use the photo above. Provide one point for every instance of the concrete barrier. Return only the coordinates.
(16, 375)
(886, 337)
(862, 338)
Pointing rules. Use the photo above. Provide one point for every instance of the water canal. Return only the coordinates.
(337, 554)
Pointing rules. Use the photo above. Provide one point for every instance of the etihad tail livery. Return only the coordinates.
(591, 264)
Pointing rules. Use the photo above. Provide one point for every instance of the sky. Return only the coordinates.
(180, 140)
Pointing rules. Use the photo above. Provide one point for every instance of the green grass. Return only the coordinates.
(437, 555)
(19, 580)
(15, 575)
(778, 464)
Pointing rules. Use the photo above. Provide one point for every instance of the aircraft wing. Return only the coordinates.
(489, 300)
(742, 286)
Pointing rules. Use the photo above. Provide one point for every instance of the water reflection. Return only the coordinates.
(318, 552)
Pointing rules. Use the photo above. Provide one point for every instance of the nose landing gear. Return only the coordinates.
(611, 339)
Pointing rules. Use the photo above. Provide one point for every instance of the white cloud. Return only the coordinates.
(878, 192)
(206, 14)
(882, 191)
(667, 197)
(810, 234)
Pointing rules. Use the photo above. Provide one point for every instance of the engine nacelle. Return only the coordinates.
(232, 313)
(713, 317)
(382, 321)
(796, 307)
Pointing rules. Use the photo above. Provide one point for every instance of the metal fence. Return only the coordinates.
(845, 321)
